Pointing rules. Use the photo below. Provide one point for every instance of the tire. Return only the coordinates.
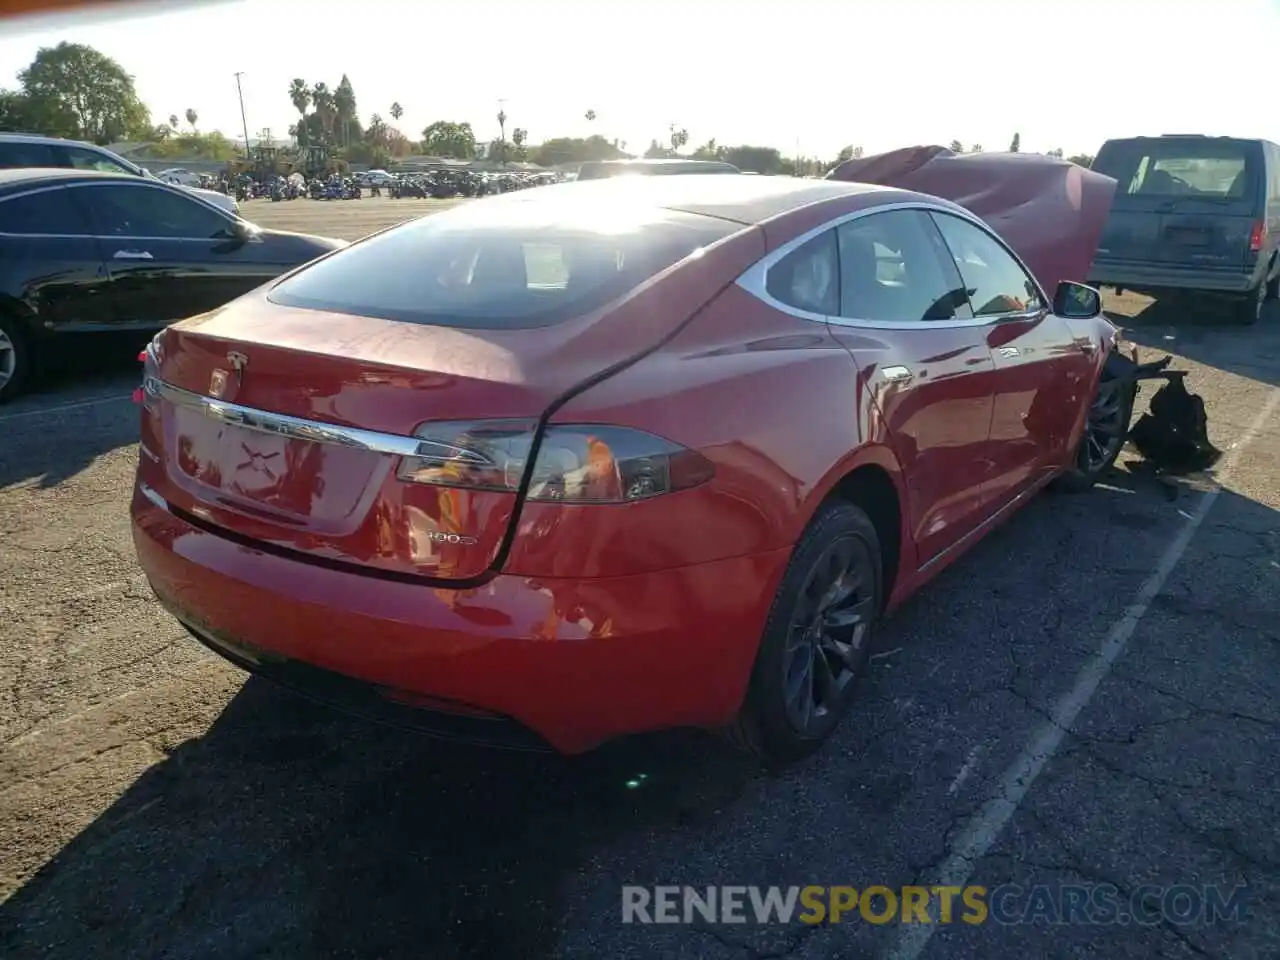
(15, 359)
(838, 550)
(1089, 466)
(1249, 309)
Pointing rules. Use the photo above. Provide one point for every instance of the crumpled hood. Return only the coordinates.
(1051, 212)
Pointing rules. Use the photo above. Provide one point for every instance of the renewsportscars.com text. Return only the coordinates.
(1089, 904)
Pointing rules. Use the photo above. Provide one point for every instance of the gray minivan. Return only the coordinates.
(1192, 213)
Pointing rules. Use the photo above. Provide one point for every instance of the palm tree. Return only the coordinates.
(502, 133)
(397, 111)
(590, 115)
(192, 117)
(322, 100)
(173, 121)
(300, 96)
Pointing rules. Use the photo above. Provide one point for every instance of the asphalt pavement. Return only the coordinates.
(1090, 700)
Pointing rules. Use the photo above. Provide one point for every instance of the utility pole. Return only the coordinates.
(240, 91)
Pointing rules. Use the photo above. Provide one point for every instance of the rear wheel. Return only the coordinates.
(816, 640)
(15, 359)
(1249, 310)
(1105, 431)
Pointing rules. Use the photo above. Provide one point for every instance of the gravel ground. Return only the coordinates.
(1092, 696)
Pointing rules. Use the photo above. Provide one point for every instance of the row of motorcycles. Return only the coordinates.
(291, 188)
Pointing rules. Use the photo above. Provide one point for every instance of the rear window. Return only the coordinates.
(1209, 169)
(501, 264)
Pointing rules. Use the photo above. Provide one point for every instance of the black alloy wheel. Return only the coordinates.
(830, 625)
(817, 638)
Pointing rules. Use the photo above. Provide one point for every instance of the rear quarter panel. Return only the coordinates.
(772, 400)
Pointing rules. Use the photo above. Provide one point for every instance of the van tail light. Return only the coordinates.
(1257, 236)
(573, 463)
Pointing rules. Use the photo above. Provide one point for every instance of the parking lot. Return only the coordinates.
(1090, 696)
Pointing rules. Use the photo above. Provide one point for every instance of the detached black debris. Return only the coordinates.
(1173, 437)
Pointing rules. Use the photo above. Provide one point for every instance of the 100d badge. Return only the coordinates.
(440, 537)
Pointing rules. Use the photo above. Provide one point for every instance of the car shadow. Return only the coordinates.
(1202, 329)
(76, 411)
(289, 829)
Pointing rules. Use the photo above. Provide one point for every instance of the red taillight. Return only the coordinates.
(137, 395)
(575, 463)
(1257, 236)
(142, 357)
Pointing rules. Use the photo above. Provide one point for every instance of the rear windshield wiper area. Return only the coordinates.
(1170, 205)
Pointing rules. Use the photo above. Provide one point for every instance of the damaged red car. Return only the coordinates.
(593, 459)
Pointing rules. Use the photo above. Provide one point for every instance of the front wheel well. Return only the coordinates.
(870, 488)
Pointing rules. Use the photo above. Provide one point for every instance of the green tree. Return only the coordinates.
(397, 111)
(566, 150)
(1081, 159)
(849, 153)
(753, 159)
(708, 151)
(325, 110)
(16, 113)
(192, 117)
(502, 135)
(1056, 153)
(957, 146)
(344, 105)
(1015, 145)
(445, 138)
(976, 148)
(74, 90)
(300, 97)
(679, 136)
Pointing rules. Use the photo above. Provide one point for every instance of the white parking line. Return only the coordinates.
(981, 831)
(43, 411)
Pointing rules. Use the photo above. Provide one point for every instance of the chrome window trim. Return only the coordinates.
(755, 279)
(281, 425)
(140, 184)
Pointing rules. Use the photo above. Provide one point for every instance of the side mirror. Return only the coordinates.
(1075, 301)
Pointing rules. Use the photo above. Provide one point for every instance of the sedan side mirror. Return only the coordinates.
(1075, 301)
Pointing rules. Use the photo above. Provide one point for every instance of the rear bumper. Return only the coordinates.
(1151, 276)
(558, 663)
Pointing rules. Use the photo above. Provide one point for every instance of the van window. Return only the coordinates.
(1198, 168)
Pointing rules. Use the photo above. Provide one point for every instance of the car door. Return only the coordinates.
(905, 320)
(1042, 370)
(51, 263)
(169, 255)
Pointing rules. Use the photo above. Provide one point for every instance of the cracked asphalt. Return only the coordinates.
(154, 803)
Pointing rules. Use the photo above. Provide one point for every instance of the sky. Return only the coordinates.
(805, 76)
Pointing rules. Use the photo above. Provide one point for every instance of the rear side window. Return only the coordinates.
(808, 278)
(47, 213)
(83, 159)
(1208, 168)
(501, 264)
(14, 155)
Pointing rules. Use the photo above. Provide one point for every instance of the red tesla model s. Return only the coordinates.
(605, 457)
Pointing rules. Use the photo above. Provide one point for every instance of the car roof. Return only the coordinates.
(23, 176)
(40, 138)
(745, 200)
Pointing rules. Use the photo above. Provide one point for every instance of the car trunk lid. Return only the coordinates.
(287, 426)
